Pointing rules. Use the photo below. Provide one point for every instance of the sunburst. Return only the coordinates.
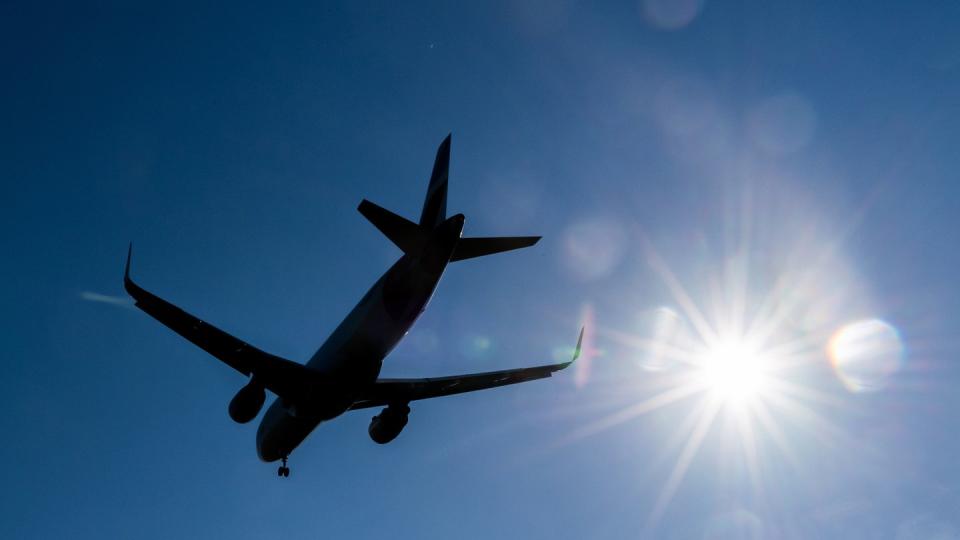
(733, 364)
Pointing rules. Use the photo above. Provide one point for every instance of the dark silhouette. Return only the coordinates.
(342, 375)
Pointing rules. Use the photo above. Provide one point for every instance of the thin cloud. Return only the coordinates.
(119, 301)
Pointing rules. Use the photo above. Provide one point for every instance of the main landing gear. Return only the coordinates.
(283, 470)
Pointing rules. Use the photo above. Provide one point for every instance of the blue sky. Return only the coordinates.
(713, 180)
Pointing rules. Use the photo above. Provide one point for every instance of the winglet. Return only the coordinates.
(576, 353)
(128, 283)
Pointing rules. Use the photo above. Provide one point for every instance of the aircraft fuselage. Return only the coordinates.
(352, 356)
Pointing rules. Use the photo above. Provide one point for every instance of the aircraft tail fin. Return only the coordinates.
(412, 237)
(469, 248)
(407, 235)
(435, 203)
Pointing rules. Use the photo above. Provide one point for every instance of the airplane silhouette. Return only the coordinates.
(342, 375)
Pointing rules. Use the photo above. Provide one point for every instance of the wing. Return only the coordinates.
(387, 391)
(282, 377)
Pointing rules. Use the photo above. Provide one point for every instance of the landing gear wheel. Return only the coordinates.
(283, 470)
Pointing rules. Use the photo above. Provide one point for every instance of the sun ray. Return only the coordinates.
(749, 444)
(664, 349)
(828, 433)
(773, 429)
(683, 461)
(807, 394)
(656, 402)
(682, 298)
(749, 353)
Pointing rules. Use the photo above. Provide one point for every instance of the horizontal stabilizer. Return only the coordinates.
(407, 235)
(468, 248)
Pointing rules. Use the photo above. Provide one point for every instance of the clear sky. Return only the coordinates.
(753, 205)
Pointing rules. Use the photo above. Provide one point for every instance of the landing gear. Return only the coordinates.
(283, 470)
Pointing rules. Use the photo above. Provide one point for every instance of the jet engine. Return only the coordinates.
(245, 406)
(385, 426)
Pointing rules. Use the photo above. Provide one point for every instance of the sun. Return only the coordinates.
(732, 369)
(744, 346)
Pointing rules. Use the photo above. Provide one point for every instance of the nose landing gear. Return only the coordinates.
(283, 470)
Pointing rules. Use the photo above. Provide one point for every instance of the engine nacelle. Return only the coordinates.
(245, 406)
(385, 426)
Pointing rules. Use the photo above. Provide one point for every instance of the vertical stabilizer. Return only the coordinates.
(435, 204)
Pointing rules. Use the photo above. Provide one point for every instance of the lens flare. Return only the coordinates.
(866, 354)
(670, 14)
(664, 325)
(782, 124)
(594, 248)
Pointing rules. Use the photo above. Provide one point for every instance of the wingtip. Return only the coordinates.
(576, 352)
(126, 269)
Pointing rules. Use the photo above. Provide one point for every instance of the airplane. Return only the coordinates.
(343, 374)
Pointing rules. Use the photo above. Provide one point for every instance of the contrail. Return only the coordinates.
(120, 301)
